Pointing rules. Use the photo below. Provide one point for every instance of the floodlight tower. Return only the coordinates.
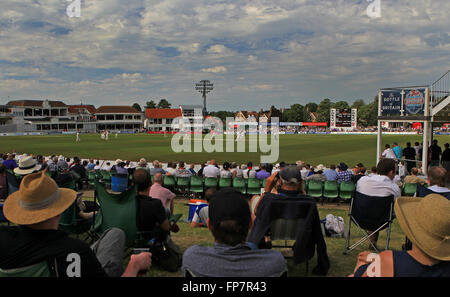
(204, 87)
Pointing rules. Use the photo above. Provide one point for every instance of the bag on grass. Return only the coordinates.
(334, 226)
(168, 256)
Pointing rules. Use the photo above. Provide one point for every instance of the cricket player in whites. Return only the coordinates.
(78, 136)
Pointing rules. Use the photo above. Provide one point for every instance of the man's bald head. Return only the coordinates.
(437, 176)
(158, 178)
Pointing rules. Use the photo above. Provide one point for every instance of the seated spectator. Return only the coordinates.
(360, 173)
(158, 191)
(380, 185)
(107, 167)
(64, 175)
(90, 166)
(373, 170)
(10, 162)
(68, 162)
(80, 172)
(331, 173)
(437, 180)
(118, 161)
(8, 183)
(226, 172)
(211, 170)
(152, 216)
(413, 178)
(38, 231)
(171, 168)
(249, 172)
(426, 222)
(61, 163)
(142, 164)
(292, 188)
(318, 174)
(27, 165)
(343, 173)
(120, 168)
(229, 222)
(356, 169)
(236, 170)
(200, 171)
(52, 166)
(305, 171)
(156, 168)
(181, 171)
(201, 217)
(97, 165)
(192, 169)
(263, 173)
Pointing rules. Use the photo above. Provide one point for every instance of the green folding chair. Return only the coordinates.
(253, 186)
(183, 185)
(330, 189)
(40, 269)
(347, 190)
(92, 176)
(409, 189)
(211, 182)
(315, 188)
(239, 184)
(225, 183)
(106, 177)
(117, 210)
(170, 181)
(70, 223)
(196, 184)
(70, 185)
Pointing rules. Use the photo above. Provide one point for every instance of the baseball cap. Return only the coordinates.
(291, 174)
(228, 204)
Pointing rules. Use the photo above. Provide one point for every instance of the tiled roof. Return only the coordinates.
(75, 108)
(36, 103)
(162, 113)
(117, 109)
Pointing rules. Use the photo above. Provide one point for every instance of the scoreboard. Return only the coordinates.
(343, 118)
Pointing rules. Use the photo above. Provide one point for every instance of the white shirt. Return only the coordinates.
(211, 171)
(438, 189)
(378, 186)
(389, 153)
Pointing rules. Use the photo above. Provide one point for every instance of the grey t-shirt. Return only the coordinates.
(232, 261)
(154, 171)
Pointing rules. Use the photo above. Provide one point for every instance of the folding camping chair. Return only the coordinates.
(183, 185)
(370, 213)
(116, 210)
(170, 182)
(70, 223)
(409, 189)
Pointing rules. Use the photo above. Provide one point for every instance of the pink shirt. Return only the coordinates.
(159, 192)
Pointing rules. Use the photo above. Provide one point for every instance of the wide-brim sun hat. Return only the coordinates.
(37, 200)
(426, 222)
(27, 165)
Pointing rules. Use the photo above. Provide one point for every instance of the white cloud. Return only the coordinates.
(216, 69)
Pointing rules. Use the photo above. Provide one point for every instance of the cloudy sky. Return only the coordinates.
(256, 52)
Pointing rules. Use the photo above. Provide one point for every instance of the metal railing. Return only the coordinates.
(440, 89)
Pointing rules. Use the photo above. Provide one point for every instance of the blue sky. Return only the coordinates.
(256, 52)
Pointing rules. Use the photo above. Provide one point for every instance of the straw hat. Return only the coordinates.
(320, 167)
(118, 161)
(426, 222)
(38, 199)
(27, 165)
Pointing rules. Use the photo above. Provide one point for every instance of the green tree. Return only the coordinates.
(150, 104)
(358, 104)
(323, 110)
(222, 115)
(294, 114)
(163, 103)
(341, 105)
(137, 106)
(368, 114)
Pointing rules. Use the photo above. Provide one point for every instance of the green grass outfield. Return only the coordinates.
(314, 149)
